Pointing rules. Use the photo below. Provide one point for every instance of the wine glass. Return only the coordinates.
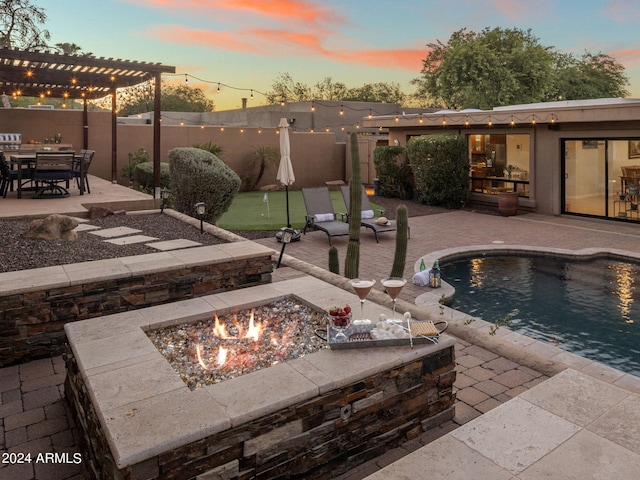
(362, 287)
(393, 286)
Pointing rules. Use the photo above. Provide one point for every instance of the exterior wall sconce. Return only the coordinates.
(200, 209)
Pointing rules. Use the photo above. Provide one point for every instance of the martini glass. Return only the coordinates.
(393, 286)
(362, 287)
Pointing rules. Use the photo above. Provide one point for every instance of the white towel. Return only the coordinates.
(367, 214)
(421, 278)
(323, 217)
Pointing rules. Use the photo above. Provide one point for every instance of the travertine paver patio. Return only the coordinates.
(34, 418)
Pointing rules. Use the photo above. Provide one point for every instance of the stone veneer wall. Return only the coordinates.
(319, 438)
(32, 322)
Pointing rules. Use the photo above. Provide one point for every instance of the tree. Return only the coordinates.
(285, 88)
(175, 98)
(327, 89)
(590, 76)
(487, 69)
(509, 66)
(381, 92)
(260, 158)
(67, 48)
(19, 25)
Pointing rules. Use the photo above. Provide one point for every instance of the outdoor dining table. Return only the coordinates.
(22, 160)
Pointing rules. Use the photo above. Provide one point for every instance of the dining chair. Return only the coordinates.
(81, 164)
(7, 176)
(52, 169)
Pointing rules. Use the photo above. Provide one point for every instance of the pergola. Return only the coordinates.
(84, 77)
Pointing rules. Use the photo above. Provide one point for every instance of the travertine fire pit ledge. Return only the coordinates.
(145, 408)
(59, 276)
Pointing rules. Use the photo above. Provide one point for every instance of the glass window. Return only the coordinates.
(500, 162)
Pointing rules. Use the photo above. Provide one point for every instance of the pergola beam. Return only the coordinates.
(39, 74)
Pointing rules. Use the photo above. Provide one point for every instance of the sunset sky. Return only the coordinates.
(247, 44)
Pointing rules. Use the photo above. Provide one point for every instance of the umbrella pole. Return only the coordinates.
(286, 189)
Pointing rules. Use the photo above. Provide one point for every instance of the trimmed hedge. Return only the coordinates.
(440, 169)
(200, 176)
(394, 172)
(143, 176)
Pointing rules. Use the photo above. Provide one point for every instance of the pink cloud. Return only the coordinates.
(630, 57)
(283, 11)
(279, 43)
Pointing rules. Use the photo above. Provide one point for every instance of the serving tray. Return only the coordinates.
(359, 336)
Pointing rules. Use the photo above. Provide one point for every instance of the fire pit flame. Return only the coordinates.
(254, 331)
(219, 331)
(233, 344)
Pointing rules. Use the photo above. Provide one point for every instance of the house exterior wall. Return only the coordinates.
(600, 119)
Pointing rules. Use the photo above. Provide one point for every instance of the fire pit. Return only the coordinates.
(222, 348)
(314, 416)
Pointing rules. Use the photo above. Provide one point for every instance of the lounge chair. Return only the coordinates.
(369, 219)
(320, 214)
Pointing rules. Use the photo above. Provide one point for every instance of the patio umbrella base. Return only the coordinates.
(296, 237)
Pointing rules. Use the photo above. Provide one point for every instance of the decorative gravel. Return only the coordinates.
(19, 253)
(283, 330)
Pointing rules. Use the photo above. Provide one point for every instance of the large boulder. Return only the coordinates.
(53, 227)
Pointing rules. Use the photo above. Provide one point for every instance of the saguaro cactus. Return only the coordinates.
(334, 261)
(352, 261)
(402, 227)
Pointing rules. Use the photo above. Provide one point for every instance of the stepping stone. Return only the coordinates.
(86, 227)
(115, 232)
(131, 239)
(173, 244)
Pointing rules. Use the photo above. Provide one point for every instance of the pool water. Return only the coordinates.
(591, 308)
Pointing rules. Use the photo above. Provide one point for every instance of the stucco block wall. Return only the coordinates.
(316, 156)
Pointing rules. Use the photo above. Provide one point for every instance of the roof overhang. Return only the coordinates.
(36, 74)
(572, 111)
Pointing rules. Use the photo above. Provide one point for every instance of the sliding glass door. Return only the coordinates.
(596, 182)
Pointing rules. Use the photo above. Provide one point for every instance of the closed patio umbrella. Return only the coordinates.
(285, 170)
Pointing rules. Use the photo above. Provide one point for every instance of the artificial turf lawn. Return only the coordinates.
(249, 211)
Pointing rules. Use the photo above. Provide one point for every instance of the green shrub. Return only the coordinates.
(143, 176)
(394, 172)
(135, 159)
(200, 176)
(210, 147)
(440, 167)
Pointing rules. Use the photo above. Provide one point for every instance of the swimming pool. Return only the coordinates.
(588, 307)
